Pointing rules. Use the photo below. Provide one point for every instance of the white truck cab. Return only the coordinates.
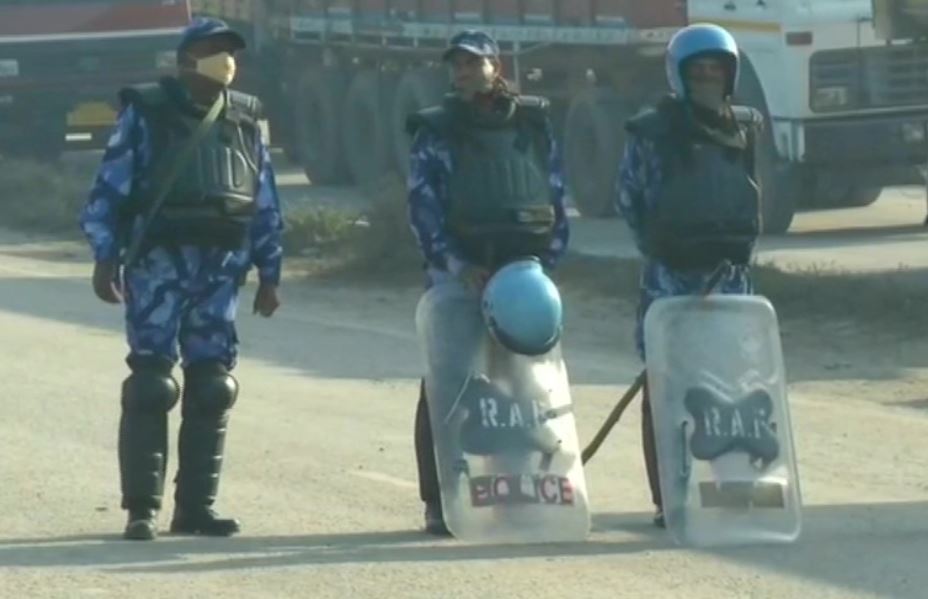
(846, 111)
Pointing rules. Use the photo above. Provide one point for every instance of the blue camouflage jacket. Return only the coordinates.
(638, 185)
(430, 168)
(119, 178)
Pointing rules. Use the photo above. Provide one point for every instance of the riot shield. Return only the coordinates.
(721, 418)
(506, 444)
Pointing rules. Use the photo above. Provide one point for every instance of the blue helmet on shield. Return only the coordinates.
(522, 308)
(701, 40)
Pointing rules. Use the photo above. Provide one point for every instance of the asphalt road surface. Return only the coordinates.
(320, 464)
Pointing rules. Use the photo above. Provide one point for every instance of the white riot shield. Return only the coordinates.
(721, 419)
(506, 443)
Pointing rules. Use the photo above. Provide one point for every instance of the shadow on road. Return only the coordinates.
(114, 554)
(390, 350)
(863, 547)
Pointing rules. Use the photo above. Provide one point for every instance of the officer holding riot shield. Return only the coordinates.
(687, 189)
(485, 187)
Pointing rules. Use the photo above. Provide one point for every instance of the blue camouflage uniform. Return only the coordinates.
(456, 327)
(429, 171)
(638, 184)
(185, 294)
(448, 317)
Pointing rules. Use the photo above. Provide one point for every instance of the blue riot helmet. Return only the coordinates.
(522, 308)
(701, 40)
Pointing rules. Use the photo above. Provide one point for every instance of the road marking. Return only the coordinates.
(384, 478)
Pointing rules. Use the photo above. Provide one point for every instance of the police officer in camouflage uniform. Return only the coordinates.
(687, 190)
(220, 216)
(485, 186)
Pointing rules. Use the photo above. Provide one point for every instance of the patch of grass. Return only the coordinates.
(379, 247)
(317, 230)
(44, 198)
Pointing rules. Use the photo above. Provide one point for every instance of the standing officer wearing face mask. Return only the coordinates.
(687, 189)
(484, 157)
(187, 186)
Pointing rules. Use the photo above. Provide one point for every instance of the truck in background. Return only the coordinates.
(340, 76)
(845, 112)
(62, 62)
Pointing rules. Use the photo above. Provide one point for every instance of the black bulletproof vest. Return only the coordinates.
(707, 208)
(500, 201)
(212, 200)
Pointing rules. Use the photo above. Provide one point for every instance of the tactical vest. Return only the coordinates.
(500, 204)
(212, 200)
(707, 208)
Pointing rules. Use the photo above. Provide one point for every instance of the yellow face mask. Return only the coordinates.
(218, 67)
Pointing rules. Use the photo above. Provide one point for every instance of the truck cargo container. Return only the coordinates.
(843, 110)
(61, 63)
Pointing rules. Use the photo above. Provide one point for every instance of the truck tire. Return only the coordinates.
(318, 117)
(366, 133)
(282, 119)
(593, 143)
(42, 143)
(860, 196)
(417, 89)
(779, 181)
(831, 190)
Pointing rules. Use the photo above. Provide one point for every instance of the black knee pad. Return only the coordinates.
(150, 388)
(209, 389)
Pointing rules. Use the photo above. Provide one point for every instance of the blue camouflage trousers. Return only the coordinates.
(184, 298)
(659, 281)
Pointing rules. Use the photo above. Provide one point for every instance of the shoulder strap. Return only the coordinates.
(145, 96)
(533, 109)
(532, 122)
(243, 108)
(166, 172)
(648, 123)
(435, 118)
(654, 124)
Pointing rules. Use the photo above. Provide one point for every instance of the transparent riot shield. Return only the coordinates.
(721, 418)
(506, 444)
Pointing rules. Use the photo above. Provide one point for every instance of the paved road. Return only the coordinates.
(320, 466)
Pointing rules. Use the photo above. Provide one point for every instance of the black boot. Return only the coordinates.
(203, 521)
(435, 520)
(209, 392)
(429, 489)
(142, 525)
(147, 396)
(650, 458)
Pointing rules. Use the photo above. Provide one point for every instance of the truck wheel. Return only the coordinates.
(45, 143)
(366, 132)
(417, 89)
(593, 142)
(318, 117)
(860, 196)
(780, 186)
(832, 189)
(780, 182)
